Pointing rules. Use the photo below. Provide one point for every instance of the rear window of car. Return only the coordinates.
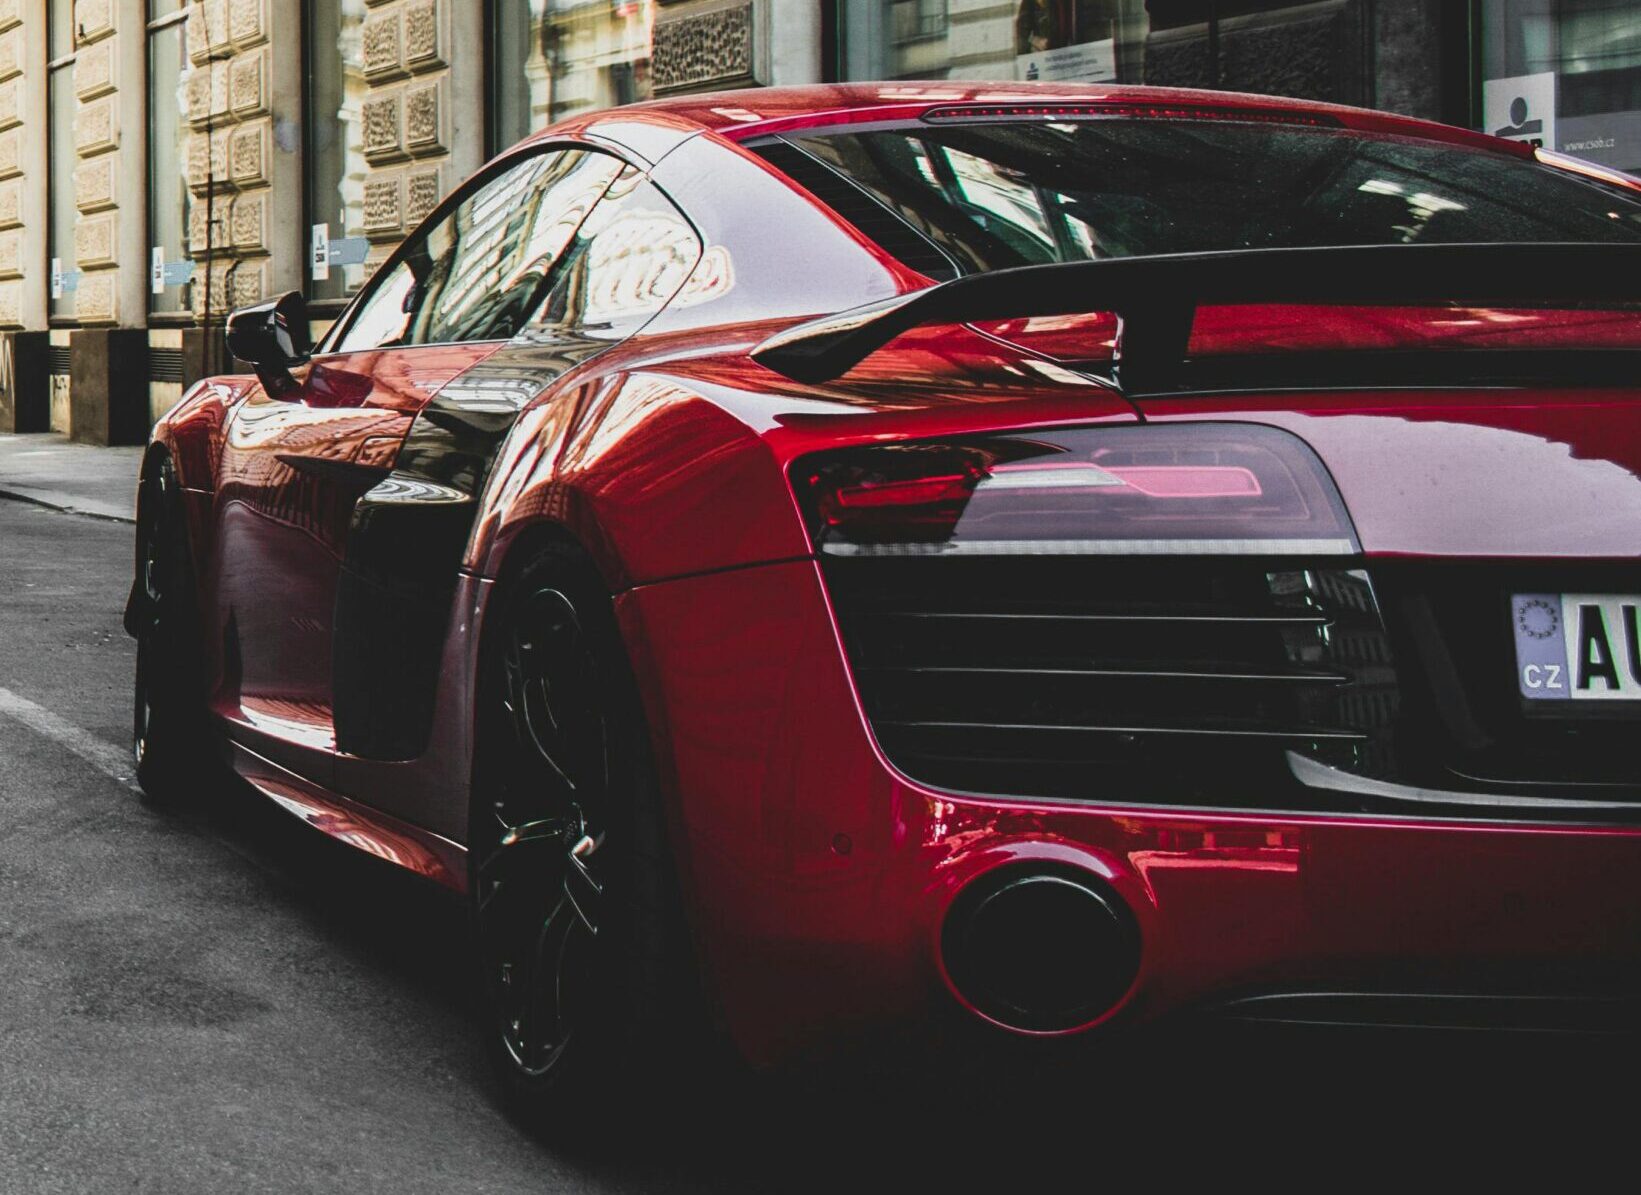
(987, 196)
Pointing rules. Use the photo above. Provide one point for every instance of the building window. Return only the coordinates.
(170, 281)
(1069, 41)
(335, 146)
(1566, 75)
(553, 59)
(64, 273)
(1292, 47)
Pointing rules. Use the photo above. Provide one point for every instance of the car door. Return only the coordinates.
(295, 466)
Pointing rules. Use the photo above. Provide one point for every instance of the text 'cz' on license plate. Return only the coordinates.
(1578, 646)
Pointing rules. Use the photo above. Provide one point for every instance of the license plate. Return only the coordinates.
(1578, 646)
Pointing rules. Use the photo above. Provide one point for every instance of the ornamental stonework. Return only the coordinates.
(11, 305)
(199, 45)
(384, 207)
(249, 224)
(11, 13)
(94, 184)
(96, 301)
(383, 140)
(211, 285)
(93, 19)
(216, 23)
(11, 254)
(380, 38)
(712, 47)
(422, 191)
(203, 223)
(11, 204)
(247, 22)
(11, 104)
(95, 130)
(94, 70)
(206, 91)
(422, 36)
(248, 154)
(249, 283)
(94, 241)
(247, 93)
(11, 153)
(423, 134)
(11, 53)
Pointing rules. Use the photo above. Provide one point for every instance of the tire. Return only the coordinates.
(169, 735)
(587, 981)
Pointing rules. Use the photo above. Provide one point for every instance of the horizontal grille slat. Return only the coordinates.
(1311, 620)
(1186, 731)
(1295, 678)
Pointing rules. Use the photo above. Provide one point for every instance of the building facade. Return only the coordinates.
(165, 161)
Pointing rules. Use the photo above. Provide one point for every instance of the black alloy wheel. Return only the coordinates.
(168, 739)
(581, 950)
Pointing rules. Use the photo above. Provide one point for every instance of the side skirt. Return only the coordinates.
(429, 855)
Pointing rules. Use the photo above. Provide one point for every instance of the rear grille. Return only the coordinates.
(1169, 681)
(1207, 681)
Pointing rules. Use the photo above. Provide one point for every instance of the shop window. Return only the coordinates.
(1565, 75)
(553, 59)
(64, 272)
(170, 267)
(335, 148)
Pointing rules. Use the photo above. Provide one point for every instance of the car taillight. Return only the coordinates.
(1200, 488)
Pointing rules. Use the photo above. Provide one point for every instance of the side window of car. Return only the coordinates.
(478, 272)
(624, 262)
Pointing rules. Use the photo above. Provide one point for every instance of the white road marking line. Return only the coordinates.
(105, 757)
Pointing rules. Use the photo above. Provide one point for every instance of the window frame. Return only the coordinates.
(339, 330)
(55, 64)
(162, 24)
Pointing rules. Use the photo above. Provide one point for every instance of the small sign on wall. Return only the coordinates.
(1522, 108)
(156, 270)
(319, 253)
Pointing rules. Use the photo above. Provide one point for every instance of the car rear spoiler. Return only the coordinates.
(1156, 298)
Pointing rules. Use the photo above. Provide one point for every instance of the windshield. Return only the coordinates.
(994, 195)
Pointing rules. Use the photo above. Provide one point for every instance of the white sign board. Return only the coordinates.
(156, 270)
(1522, 108)
(1091, 62)
(319, 257)
(56, 277)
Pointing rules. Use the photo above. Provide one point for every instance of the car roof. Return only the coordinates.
(748, 113)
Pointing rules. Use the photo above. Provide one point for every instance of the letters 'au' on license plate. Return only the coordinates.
(1578, 646)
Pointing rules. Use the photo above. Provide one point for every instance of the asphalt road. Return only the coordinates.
(213, 998)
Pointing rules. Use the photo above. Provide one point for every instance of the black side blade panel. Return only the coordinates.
(404, 550)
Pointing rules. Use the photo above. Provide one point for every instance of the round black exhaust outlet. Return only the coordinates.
(1040, 951)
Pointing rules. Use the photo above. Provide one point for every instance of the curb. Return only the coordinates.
(65, 508)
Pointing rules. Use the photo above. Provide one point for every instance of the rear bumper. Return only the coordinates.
(818, 878)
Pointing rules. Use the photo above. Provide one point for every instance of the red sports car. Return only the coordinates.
(836, 559)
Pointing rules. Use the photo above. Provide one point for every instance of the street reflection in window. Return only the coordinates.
(556, 58)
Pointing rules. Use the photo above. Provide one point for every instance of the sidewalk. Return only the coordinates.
(50, 470)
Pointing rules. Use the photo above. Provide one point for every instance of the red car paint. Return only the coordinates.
(816, 874)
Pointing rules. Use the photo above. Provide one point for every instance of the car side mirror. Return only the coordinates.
(272, 337)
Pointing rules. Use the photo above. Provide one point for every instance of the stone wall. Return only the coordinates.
(22, 144)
